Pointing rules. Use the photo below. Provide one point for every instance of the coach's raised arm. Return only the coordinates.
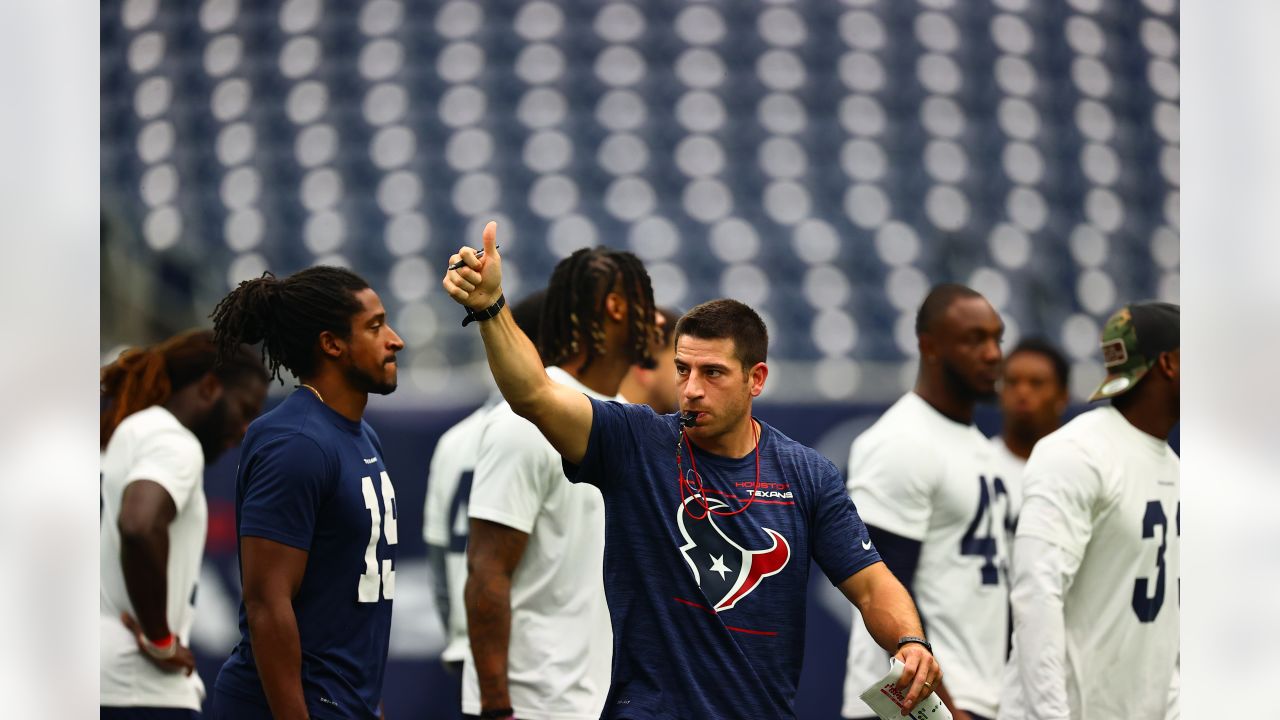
(562, 414)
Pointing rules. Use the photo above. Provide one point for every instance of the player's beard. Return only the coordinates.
(961, 386)
(365, 382)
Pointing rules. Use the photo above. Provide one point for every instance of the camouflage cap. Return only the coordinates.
(1132, 341)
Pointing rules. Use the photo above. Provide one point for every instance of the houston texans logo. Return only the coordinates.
(725, 571)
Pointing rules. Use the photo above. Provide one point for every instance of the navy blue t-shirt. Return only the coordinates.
(708, 614)
(312, 479)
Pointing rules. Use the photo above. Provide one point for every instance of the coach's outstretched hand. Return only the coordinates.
(920, 673)
(478, 283)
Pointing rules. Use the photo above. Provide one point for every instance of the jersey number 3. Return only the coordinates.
(1147, 606)
(381, 523)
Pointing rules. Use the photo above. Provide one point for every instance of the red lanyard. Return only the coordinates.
(698, 492)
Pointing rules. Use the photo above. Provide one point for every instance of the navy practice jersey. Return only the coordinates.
(708, 614)
(312, 479)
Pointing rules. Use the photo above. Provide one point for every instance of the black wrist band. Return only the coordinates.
(917, 640)
(505, 712)
(482, 315)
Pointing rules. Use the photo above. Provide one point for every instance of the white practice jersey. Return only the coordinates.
(444, 517)
(561, 648)
(920, 475)
(1008, 466)
(1102, 503)
(151, 445)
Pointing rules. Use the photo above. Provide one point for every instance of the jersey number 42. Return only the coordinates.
(989, 522)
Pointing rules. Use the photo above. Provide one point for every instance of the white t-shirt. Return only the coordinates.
(445, 521)
(561, 649)
(920, 475)
(1008, 466)
(1096, 578)
(151, 445)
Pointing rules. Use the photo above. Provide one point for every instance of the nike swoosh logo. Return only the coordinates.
(866, 544)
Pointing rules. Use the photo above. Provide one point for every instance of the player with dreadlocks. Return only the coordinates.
(315, 508)
(541, 642)
(167, 410)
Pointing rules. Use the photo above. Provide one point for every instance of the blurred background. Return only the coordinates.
(825, 162)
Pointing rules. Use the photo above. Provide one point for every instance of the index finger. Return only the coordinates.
(919, 673)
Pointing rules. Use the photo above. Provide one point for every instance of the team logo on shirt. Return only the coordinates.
(725, 571)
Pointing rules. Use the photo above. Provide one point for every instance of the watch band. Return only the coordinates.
(499, 714)
(907, 639)
(485, 314)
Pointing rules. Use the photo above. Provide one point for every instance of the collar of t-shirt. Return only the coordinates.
(563, 377)
(924, 404)
(304, 395)
(1136, 436)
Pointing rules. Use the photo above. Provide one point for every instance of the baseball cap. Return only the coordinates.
(1132, 340)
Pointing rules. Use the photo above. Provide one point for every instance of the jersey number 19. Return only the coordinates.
(381, 522)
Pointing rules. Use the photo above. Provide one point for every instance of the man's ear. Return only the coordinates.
(332, 345)
(615, 306)
(209, 388)
(928, 348)
(759, 373)
(1168, 362)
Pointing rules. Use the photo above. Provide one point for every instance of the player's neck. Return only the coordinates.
(333, 390)
(1020, 441)
(605, 373)
(181, 407)
(944, 399)
(1152, 414)
(633, 390)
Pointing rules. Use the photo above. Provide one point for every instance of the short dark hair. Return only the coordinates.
(937, 301)
(287, 316)
(574, 306)
(668, 330)
(1040, 346)
(726, 318)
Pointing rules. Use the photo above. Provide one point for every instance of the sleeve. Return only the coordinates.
(1060, 488)
(1042, 572)
(173, 460)
(435, 507)
(285, 484)
(891, 480)
(512, 475)
(841, 545)
(612, 444)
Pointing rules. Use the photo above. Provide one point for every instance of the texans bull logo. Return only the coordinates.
(725, 571)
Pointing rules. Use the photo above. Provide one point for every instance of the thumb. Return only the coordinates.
(130, 623)
(491, 238)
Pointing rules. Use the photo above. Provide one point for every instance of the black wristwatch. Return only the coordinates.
(485, 314)
(906, 639)
(499, 713)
